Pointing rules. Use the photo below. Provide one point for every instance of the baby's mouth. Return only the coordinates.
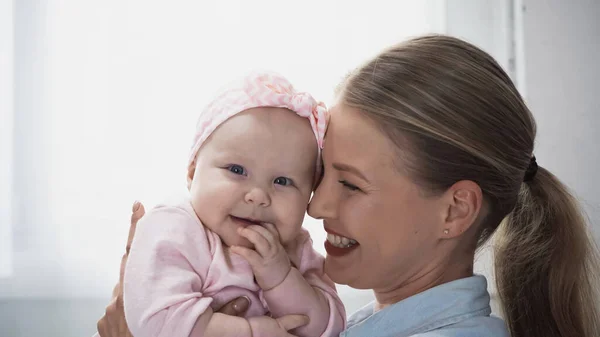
(246, 221)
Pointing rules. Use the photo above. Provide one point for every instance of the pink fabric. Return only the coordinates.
(177, 269)
(260, 89)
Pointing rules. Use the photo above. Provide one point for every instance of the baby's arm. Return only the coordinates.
(168, 259)
(290, 290)
(324, 306)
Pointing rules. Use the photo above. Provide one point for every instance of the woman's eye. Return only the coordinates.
(348, 185)
(283, 181)
(237, 169)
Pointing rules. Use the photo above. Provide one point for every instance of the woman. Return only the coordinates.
(430, 151)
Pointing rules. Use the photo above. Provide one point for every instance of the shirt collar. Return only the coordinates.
(434, 308)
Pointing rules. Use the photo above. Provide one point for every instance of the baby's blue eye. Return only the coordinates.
(237, 169)
(283, 181)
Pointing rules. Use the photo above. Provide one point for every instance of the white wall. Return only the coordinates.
(485, 23)
(561, 41)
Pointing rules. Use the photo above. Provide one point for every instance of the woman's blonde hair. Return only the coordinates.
(455, 115)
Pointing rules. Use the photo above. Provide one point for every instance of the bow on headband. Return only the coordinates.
(265, 89)
(270, 89)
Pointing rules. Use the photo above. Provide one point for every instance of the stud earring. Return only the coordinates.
(446, 231)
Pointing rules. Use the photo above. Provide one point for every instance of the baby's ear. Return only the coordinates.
(190, 173)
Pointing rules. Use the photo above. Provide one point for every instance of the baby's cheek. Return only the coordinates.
(199, 194)
(209, 202)
(291, 219)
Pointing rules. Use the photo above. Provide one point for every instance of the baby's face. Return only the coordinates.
(258, 166)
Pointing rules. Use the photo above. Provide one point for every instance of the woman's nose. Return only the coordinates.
(321, 205)
(258, 197)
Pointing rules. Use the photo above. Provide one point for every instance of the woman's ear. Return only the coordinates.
(190, 173)
(464, 200)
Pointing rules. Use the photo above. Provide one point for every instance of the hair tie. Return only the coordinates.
(531, 170)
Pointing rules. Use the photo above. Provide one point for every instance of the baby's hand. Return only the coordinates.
(269, 260)
(263, 326)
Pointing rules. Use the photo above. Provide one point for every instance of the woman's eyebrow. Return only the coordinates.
(350, 169)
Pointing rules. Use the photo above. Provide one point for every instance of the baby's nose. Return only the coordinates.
(258, 196)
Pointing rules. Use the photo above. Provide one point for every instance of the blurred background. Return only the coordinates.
(98, 101)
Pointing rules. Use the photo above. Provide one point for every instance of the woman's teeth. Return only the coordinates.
(340, 241)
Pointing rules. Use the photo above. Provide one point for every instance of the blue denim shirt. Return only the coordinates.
(458, 308)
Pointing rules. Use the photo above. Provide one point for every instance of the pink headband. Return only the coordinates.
(265, 89)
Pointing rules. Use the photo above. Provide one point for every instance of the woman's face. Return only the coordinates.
(364, 198)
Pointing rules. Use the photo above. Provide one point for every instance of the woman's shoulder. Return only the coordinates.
(478, 326)
(457, 308)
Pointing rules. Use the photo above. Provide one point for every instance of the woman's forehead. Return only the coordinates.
(350, 125)
(350, 135)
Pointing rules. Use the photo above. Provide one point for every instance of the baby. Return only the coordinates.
(252, 169)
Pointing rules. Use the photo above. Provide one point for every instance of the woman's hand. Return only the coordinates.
(263, 326)
(112, 323)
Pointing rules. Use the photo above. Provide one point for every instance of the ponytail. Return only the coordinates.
(547, 264)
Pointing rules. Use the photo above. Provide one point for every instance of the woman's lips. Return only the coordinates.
(339, 251)
(338, 245)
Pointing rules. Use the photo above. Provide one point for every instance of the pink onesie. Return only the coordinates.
(177, 268)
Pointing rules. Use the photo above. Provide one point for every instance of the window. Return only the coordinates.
(6, 136)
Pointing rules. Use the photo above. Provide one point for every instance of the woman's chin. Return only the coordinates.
(341, 271)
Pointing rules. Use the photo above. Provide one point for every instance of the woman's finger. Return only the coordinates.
(101, 327)
(137, 212)
(236, 307)
(290, 322)
(116, 290)
(112, 323)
